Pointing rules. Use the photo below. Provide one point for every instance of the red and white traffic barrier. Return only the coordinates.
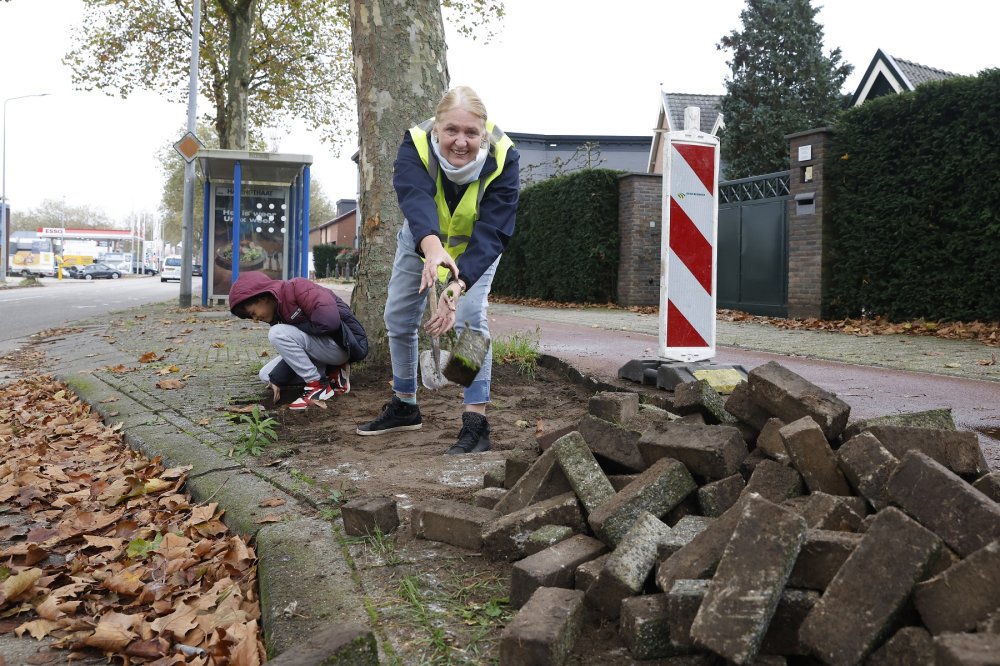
(688, 244)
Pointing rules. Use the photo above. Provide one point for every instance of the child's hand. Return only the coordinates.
(275, 391)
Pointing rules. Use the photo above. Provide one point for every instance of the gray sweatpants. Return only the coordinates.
(307, 355)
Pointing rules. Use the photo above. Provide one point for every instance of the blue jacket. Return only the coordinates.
(415, 190)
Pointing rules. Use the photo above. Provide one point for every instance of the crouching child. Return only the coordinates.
(314, 331)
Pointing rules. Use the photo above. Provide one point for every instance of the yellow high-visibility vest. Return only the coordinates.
(456, 228)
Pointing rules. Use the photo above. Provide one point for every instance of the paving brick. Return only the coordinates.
(991, 625)
(545, 537)
(858, 607)
(544, 479)
(487, 498)
(709, 451)
(587, 573)
(504, 537)
(698, 397)
(694, 419)
(716, 497)
(746, 410)
(619, 481)
(937, 419)
(963, 595)
(516, 464)
(782, 635)
(989, 485)
(958, 450)
(683, 601)
(790, 397)
(812, 456)
(545, 630)
(625, 572)
(451, 522)
(612, 442)
(643, 627)
(583, 471)
(364, 515)
(699, 557)
(774, 481)
(822, 555)
(867, 465)
(749, 464)
(493, 478)
(830, 512)
(748, 581)
(681, 534)
(967, 650)
(617, 406)
(553, 567)
(548, 437)
(908, 647)
(657, 490)
(940, 500)
(687, 507)
(769, 440)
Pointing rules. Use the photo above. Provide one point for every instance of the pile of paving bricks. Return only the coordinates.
(760, 528)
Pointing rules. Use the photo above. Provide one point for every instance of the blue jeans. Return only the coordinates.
(404, 307)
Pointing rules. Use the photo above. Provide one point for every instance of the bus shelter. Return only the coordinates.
(256, 217)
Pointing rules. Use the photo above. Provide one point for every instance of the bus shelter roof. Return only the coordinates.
(217, 166)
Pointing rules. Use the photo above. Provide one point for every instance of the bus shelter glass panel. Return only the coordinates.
(263, 226)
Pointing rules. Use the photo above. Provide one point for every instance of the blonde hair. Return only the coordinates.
(461, 97)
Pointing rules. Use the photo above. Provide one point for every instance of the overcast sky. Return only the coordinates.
(557, 67)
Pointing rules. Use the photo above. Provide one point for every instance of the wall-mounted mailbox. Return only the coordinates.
(805, 203)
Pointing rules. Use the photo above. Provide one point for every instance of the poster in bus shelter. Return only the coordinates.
(262, 229)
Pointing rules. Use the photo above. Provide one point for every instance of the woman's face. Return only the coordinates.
(460, 133)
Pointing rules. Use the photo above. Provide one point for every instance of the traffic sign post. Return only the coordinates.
(687, 265)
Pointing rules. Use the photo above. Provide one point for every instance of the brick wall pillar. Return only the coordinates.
(808, 230)
(640, 219)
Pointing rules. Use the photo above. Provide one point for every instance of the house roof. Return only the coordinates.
(348, 215)
(671, 117)
(887, 75)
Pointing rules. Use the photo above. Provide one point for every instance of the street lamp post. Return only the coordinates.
(4, 209)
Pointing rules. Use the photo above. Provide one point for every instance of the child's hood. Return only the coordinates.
(250, 284)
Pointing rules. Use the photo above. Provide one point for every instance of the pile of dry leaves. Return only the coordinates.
(101, 550)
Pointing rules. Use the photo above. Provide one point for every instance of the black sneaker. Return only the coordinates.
(474, 437)
(396, 415)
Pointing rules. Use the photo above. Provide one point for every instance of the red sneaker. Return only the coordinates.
(313, 391)
(340, 379)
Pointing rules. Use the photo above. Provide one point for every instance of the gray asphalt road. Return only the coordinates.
(57, 303)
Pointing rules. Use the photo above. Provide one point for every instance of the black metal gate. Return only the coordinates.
(753, 245)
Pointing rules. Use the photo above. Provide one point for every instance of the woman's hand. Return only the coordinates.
(443, 319)
(434, 256)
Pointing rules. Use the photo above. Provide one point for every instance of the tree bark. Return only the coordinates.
(241, 17)
(401, 71)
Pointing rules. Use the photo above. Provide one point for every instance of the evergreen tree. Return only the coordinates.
(781, 82)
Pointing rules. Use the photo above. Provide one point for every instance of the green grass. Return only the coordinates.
(520, 350)
(256, 432)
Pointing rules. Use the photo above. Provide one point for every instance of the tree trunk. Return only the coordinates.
(401, 71)
(241, 16)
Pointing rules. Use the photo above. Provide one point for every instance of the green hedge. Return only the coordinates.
(325, 258)
(565, 246)
(915, 211)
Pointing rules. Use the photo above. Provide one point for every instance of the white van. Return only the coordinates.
(171, 268)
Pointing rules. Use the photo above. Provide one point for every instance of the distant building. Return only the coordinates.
(671, 119)
(889, 75)
(341, 230)
(546, 155)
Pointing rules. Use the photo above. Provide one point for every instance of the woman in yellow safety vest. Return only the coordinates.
(456, 177)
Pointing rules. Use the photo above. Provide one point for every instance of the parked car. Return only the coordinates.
(196, 270)
(171, 268)
(149, 269)
(97, 271)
